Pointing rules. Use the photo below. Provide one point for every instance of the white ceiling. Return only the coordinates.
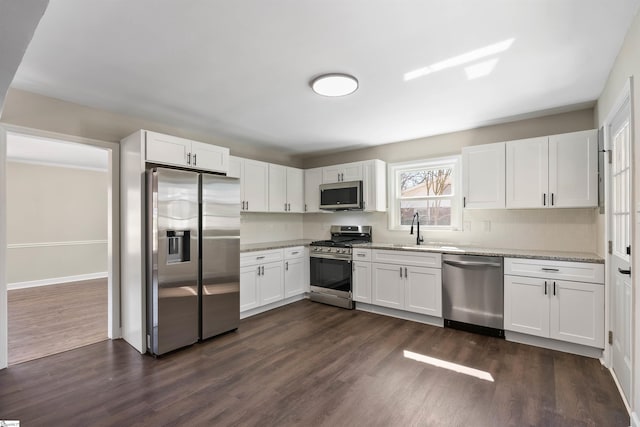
(51, 152)
(242, 68)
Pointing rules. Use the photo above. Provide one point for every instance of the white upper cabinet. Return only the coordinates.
(312, 181)
(285, 189)
(573, 167)
(374, 186)
(483, 176)
(527, 173)
(343, 173)
(171, 150)
(254, 183)
(559, 171)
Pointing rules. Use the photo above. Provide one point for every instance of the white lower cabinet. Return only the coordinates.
(294, 271)
(407, 287)
(261, 278)
(362, 281)
(549, 307)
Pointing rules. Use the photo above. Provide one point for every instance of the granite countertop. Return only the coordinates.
(252, 247)
(473, 250)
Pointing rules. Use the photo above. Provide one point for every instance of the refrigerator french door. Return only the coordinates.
(193, 252)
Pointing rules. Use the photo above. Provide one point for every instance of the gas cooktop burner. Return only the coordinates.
(338, 244)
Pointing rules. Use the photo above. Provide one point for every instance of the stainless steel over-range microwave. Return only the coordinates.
(341, 196)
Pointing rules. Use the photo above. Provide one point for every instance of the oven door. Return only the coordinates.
(331, 275)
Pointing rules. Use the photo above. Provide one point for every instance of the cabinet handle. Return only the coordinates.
(258, 270)
(260, 257)
(550, 269)
(188, 158)
(621, 271)
(545, 287)
(286, 266)
(406, 275)
(554, 288)
(295, 253)
(243, 205)
(285, 207)
(360, 255)
(194, 160)
(464, 202)
(552, 199)
(305, 207)
(247, 205)
(289, 207)
(262, 270)
(544, 199)
(400, 271)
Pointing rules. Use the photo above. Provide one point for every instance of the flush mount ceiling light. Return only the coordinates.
(334, 84)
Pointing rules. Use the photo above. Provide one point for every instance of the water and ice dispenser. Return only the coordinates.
(178, 244)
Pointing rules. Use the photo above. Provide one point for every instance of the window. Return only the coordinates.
(429, 187)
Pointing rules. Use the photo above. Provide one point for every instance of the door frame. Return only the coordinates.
(113, 227)
(624, 95)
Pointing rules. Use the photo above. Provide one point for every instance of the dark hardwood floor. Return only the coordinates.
(311, 364)
(46, 320)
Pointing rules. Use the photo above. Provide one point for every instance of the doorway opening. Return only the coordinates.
(58, 266)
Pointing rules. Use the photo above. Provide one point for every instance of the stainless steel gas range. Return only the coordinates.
(331, 265)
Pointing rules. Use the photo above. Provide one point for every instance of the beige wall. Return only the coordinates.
(47, 208)
(40, 112)
(627, 65)
(452, 143)
(267, 227)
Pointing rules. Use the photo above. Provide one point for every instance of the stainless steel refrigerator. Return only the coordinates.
(193, 253)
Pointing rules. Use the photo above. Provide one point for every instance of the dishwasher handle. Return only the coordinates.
(471, 263)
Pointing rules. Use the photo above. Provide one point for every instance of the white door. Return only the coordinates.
(293, 277)
(209, 157)
(619, 216)
(271, 283)
(312, 181)
(423, 291)
(352, 172)
(255, 179)
(362, 281)
(483, 176)
(577, 312)
(249, 297)
(527, 165)
(573, 169)
(387, 283)
(526, 305)
(167, 149)
(277, 188)
(295, 190)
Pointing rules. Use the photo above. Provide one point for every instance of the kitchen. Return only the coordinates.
(572, 230)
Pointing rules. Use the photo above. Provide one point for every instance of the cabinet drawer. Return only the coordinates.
(294, 252)
(560, 270)
(260, 257)
(418, 259)
(361, 254)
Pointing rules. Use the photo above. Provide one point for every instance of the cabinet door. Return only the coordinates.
(577, 313)
(387, 283)
(166, 149)
(483, 176)
(295, 190)
(374, 186)
(255, 178)
(332, 174)
(423, 290)
(526, 305)
(249, 297)
(362, 281)
(527, 178)
(271, 283)
(209, 157)
(312, 181)
(235, 168)
(352, 172)
(573, 169)
(294, 277)
(277, 188)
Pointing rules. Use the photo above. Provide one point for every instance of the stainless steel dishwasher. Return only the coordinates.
(473, 293)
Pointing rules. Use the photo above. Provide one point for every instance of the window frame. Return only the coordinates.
(393, 190)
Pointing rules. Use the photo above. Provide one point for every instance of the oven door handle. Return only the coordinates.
(331, 257)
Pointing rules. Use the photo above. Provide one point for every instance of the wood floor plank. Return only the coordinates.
(309, 364)
(46, 320)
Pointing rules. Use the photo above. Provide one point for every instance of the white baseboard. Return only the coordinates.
(567, 347)
(635, 419)
(400, 314)
(258, 310)
(56, 280)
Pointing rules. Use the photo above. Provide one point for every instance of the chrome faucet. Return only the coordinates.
(416, 219)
